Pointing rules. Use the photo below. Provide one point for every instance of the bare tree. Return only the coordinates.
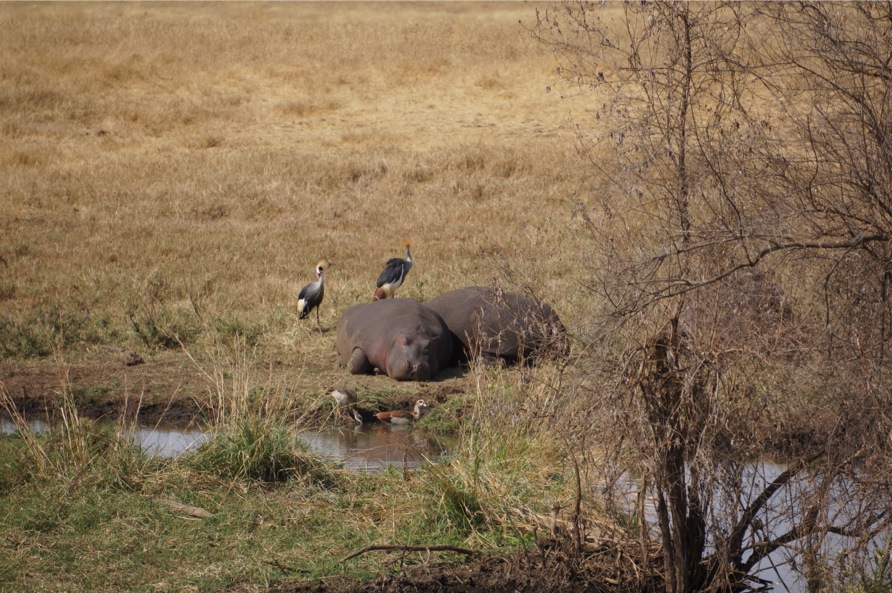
(741, 162)
(835, 93)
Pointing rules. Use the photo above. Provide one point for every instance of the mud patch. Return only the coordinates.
(161, 389)
(166, 387)
(551, 566)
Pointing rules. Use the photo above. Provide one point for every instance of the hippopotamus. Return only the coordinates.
(399, 337)
(500, 327)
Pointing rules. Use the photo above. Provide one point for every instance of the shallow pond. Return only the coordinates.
(368, 448)
(782, 569)
(371, 448)
(161, 440)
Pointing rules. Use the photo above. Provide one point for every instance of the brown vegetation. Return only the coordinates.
(174, 172)
(749, 170)
(719, 254)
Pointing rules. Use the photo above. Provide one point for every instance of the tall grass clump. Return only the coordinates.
(74, 446)
(500, 465)
(252, 435)
(260, 450)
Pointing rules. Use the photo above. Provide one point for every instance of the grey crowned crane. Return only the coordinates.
(394, 273)
(310, 296)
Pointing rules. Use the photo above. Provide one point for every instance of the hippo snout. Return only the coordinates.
(421, 371)
(409, 370)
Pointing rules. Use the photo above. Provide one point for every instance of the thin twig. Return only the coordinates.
(283, 568)
(455, 549)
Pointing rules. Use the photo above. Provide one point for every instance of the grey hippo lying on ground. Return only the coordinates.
(492, 325)
(400, 337)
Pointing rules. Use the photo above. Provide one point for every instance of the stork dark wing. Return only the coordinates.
(393, 271)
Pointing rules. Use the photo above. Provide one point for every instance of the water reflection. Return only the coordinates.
(169, 441)
(374, 448)
(785, 568)
(161, 440)
(362, 449)
(7, 426)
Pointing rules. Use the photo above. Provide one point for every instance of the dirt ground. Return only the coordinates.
(167, 388)
(549, 566)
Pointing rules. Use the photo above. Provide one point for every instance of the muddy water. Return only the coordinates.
(376, 447)
(161, 440)
(363, 449)
(781, 570)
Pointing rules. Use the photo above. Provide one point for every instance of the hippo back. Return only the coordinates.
(493, 324)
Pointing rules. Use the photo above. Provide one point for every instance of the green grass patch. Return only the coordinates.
(117, 522)
(82, 508)
(23, 339)
(70, 325)
(260, 450)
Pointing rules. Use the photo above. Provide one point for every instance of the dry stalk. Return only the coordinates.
(398, 548)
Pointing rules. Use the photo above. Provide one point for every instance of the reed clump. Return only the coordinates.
(261, 451)
(72, 446)
(252, 424)
(506, 461)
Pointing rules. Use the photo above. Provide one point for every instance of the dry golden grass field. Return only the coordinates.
(171, 173)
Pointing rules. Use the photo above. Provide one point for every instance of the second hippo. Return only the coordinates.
(400, 337)
(493, 325)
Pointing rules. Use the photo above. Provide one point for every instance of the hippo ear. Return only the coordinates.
(432, 343)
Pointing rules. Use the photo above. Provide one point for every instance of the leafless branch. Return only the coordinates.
(391, 548)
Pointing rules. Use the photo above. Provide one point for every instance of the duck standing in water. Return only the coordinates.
(403, 417)
(345, 399)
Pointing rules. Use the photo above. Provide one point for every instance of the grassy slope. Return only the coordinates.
(181, 168)
(168, 159)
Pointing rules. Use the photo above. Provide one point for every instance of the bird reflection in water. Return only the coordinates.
(377, 446)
